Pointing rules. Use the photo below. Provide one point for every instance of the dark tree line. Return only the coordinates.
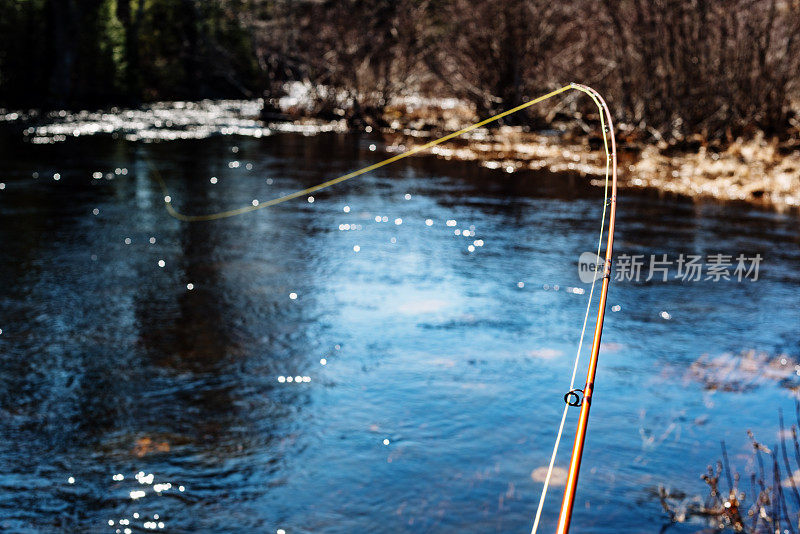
(89, 53)
(717, 68)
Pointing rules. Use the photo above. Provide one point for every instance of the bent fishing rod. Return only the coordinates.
(565, 516)
(574, 397)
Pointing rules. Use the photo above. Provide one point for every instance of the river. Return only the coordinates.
(144, 360)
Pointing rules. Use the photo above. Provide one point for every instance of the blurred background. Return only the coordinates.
(390, 354)
(671, 69)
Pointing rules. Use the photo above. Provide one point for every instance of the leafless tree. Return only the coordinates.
(712, 67)
(499, 54)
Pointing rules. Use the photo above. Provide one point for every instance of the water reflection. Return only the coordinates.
(387, 358)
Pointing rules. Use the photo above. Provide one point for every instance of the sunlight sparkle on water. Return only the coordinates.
(190, 286)
(288, 379)
(398, 221)
(95, 211)
(407, 196)
(293, 296)
(428, 222)
(71, 480)
(255, 202)
(346, 209)
(162, 263)
(323, 361)
(213, 179)
(143, 478)
(665, 315)
(310, 200)
(356, 248)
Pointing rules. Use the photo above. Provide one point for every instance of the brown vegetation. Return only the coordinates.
(670, 69)
(709, 68)
(767, 500)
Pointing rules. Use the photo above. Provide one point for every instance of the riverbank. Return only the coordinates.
(755, 171)
(760, 171)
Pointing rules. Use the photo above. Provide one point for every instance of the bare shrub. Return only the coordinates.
(355, 55)
(767, 501)
(712, 67)
(498, 54)
(707, 70)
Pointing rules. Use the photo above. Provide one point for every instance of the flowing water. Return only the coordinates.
(144, 361)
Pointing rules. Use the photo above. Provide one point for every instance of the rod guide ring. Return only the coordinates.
(574, 397)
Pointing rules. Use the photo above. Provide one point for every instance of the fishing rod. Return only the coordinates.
(585, 403)
(574, 397)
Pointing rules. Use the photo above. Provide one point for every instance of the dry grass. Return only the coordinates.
(767, 499)
(761, 171)
(755, 171)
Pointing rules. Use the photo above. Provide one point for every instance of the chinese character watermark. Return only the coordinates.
(662, 268)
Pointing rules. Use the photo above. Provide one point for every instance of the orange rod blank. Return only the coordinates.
(583, 419)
